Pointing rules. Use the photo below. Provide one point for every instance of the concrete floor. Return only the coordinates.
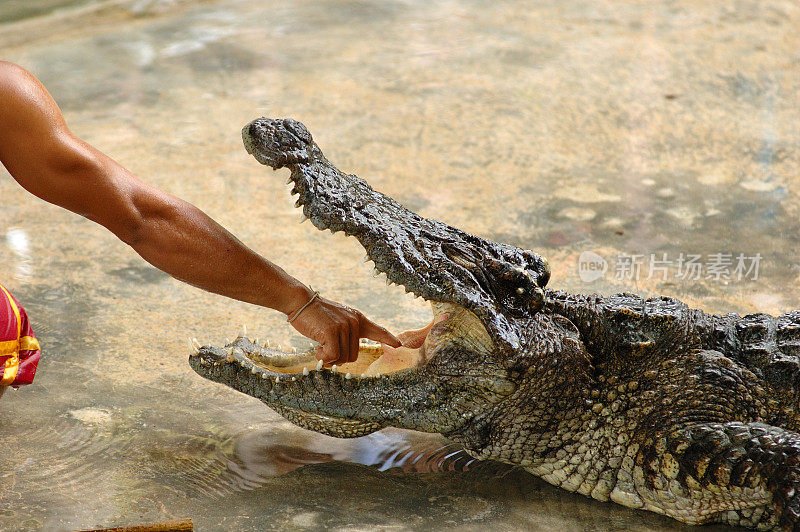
(658, 130)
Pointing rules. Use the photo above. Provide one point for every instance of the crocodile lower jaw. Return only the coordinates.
(450, 323)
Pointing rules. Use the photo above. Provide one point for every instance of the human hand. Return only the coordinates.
(338, 328)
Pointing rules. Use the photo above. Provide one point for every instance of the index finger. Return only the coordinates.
(373, 331)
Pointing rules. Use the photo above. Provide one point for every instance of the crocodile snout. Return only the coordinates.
(277, 143)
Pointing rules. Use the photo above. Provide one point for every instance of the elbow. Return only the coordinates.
(132, 231)
(143, 219)
(146, 222)
(129, 225)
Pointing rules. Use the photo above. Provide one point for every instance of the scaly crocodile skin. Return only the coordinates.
(647, 403)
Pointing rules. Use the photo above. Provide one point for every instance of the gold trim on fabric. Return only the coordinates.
(28, 343)
(10, 371)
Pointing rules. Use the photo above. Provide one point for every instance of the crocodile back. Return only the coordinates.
(768, 346)
(619, 329)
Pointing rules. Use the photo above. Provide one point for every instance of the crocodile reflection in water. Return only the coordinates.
(647, 403)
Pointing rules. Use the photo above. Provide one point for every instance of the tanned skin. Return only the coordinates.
(49, 161)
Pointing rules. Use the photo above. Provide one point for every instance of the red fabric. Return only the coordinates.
(8, 321)
(28, 358)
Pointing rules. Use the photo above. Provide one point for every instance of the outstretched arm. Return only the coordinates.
(43, 155)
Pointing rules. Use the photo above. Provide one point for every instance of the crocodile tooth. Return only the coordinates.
(193, 350)
(305, 371)
(348, 376)
(243, 332)
(277, 379)
(196, 344)
(243, 364)
(377, 375)
(264, 375)
(319, 365)
(279, 347)
(255, 341)
(375, 272)
(266, 344)
(520, 290)
(362, 375)
(334, 368)
(388, 282)
(253, 370)
(229, 356)
(303, 218)
(204, 362)
(294, 379)
(227, 340)
(293, 350)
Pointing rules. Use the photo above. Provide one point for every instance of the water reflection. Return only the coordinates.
(214, 466)
(274, 476)
(17, 242)
(217, 465)
(262, 452)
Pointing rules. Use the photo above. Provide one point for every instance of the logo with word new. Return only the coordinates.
(591, 266)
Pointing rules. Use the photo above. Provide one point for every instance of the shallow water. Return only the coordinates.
(642, 128)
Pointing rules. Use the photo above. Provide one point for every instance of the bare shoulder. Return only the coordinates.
(19, 89)
(8, 68)
(24, 102)
(31, 124)
(13, 77)
(18, 86)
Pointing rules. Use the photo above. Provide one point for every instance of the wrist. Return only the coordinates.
(294, 315)
(296, 295)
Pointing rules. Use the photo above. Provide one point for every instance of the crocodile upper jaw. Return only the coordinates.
(501, 284)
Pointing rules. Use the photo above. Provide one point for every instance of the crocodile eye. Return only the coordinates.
(524, 296)
(515, 288)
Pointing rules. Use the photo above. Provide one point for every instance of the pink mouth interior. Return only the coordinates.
(380, 359)
(415, 350)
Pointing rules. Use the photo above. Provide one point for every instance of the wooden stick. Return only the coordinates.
(178, 525)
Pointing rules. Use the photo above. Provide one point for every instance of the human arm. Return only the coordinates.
(48, 160)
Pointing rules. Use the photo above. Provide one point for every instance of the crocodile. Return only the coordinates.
(644, 402)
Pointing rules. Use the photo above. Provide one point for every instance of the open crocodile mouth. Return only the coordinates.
(451, 323)
(383, 386)
(479, 291)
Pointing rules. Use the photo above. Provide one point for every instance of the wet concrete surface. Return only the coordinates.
(660, 130)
